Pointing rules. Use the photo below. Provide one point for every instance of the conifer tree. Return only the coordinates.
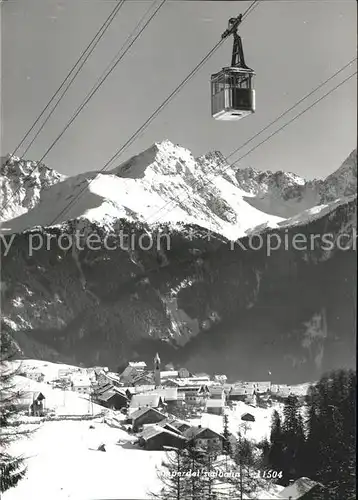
(227, 435)
(331, 433)
(12, 469)
(275, 455)
(293, 439)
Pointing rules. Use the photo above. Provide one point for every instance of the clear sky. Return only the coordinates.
(292, 45)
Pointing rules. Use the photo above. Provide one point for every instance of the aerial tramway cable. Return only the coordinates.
(154, 114)
(291, 108)
(81, 61)
(210, 180)
(99, 82)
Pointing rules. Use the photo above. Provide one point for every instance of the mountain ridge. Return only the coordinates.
(204, 301)
(171, 178)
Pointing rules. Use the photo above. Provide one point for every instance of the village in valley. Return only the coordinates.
(145, 409)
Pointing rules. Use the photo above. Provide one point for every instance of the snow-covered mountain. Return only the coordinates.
(285, 194)
(21, 184)
(163, 184)
(202, 302)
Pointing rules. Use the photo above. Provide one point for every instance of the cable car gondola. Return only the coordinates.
(232, 89)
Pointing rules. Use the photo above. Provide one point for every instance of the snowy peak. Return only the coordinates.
(286, 194)
(21, 183)
(163, 185)
(257, 182)
(163, 158)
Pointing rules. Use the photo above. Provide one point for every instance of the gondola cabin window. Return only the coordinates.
(233, 96)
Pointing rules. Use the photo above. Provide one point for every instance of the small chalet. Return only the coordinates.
(146, 400)
(170, 395)
(115, 400)
(215, 406)
(157, 437)
(240, 393)
(263, 387)
(82, 385)
(35, 375)
(217, 392)
(247, 417)
(194, 393)
(183, 373)
(132, 370)
(203, 437)
(37, 405)
(252, 399)
(303, 489)
(145, 416)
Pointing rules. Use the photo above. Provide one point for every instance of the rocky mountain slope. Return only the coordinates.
(21, 183)
(197, 297)
(286, 194)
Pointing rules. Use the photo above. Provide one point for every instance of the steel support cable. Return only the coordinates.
(173, 93)
(104, 26)
(151, 118)
(115, 12)
(103, 79)
(295, 117)
(99, 82)
(292, 107)
(209, 181)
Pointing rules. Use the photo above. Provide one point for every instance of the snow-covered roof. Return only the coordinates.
(194, 432)
(174, 422)
(142, 411)
(169, 373)
(248, 417)
(105, 396)
(299, 488)
(167, 393)
(155, 430)
(140, 400)
(137, 364)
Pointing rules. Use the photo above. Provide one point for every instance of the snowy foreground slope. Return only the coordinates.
(63, 462)
(62, 455)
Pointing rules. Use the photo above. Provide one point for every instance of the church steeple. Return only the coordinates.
(157, 370)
